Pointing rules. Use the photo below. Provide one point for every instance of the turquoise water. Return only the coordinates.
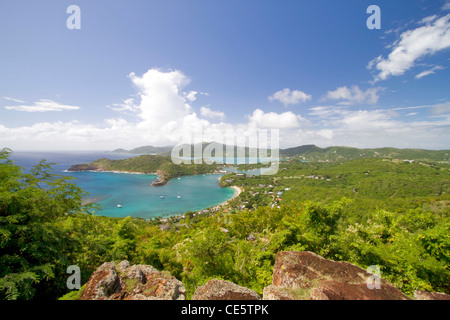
(134, 192)
(138, 198)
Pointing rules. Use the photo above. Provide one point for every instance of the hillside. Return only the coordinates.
(314, 153)
(156, 164)
(143, 150)
(307, 152)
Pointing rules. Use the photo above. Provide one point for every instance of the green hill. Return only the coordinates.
(314, 153)
(144, 150)
(305, 152)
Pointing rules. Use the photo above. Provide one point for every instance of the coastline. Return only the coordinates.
(110, 171)
(237, 192)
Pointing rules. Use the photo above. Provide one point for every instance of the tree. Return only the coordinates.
(33, 246)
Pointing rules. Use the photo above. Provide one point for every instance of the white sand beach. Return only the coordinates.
(237, 192)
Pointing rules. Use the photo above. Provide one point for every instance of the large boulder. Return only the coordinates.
(120, 281)
(308, 276)
(223, 290)
(423, 295)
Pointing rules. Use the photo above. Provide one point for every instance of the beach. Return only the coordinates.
(237, 192)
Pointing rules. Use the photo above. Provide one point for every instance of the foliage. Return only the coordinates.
(31, 241)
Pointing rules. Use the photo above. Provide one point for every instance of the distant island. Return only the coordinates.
(144, 150)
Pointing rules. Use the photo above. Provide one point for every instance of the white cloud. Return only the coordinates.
(428, 72)
(414, 44)
(128, 105)
(160, 96)
(378, 128)
(191, 95)
(287, 97)
(13, 100)
(273, 120)
(446, 6)
(441, 108)
(428, 19)
(43, 105)
(353, 95)
(208, 113)
(164, 117)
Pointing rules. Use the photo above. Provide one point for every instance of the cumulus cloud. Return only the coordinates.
(160, 94)
(273, 120)
(191, 95)
(353, 95)
(43, 105)
(426, 40)
(208, 113)
(288, 97)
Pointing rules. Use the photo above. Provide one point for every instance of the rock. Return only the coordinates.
(224, 290)
(120, 281)
(103, 282)
(272, 292)
(308, 276)
(423, 295)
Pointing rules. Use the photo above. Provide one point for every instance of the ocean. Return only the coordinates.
(123, 194)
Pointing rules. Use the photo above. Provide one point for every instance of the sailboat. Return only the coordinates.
(178, 196)
(162, 197)
(119, 206)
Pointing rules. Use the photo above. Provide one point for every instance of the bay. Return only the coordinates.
(132, 192)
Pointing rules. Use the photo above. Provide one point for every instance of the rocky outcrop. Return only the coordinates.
(423, 295)
(308, 276)
(159, 182)
(296, 276)
(121, 281)
(224, 290)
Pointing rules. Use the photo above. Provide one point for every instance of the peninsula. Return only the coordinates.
(162, 166)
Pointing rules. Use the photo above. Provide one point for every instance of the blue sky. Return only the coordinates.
(147, 72)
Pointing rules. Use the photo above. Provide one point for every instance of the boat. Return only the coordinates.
(119, 206)
(178, 196)
(162, 197)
